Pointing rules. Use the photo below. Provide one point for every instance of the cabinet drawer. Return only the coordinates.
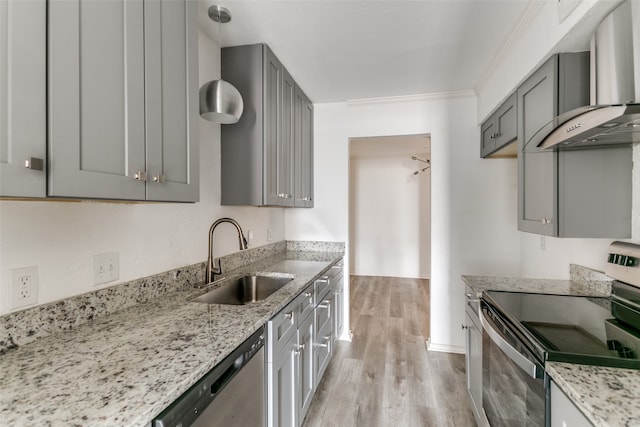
(280, 329)
(321, 287)
(305, 304)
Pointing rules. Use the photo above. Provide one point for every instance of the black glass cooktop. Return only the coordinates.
(573, 329)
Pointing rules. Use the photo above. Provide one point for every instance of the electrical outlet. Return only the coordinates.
(269, 235)
(24, 286)
(106, 268)
(250, 236)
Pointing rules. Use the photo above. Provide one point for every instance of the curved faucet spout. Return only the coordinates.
(212, 269)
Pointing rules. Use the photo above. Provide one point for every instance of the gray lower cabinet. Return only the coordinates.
(306, 384)
(23, 122)
(337, 284)
(291, 373)
(473, 359)
(264, 155)
(122, 86)
(323, 333)
(282, 378)
(564, 412)
(500, 130)
(584, 193)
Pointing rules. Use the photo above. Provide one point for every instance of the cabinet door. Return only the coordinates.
(338, 302)
(22, 98)
(537, 103)
(272, 125)
(537, 106)
(96, 99)
(595, 192)
(487, 137)
(506, 123)
(538, 193)
(284, 166)
(474, 366)
(303, 148)
(306, 380)
(281, 384)
(171, 80)
(564, 412)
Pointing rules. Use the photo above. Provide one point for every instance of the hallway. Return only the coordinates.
(385, 376)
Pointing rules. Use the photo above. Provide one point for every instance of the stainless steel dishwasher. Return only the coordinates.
(231, 394)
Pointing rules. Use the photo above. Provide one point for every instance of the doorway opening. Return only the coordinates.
(390, 215)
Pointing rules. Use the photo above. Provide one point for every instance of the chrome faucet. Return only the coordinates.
(211, 268)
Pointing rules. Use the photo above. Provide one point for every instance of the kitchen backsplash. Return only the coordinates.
(590, 278)
(22, 327)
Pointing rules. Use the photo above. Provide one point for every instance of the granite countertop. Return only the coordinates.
(478, 284)
(125, 368)
(608, 397)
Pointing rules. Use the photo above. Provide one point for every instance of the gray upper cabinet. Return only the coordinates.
(23, 98)
(303, 150)
(260, 153)
(584, 193)
(122, 100)
(500, 130)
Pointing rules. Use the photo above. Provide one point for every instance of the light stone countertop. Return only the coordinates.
(478, 284)
(608, 397)
(125, 368)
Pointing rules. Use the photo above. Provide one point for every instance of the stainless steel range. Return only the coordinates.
(522, 331)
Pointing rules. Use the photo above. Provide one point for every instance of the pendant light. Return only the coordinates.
(220, 101)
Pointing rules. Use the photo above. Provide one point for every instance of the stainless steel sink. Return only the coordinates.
(243, 290)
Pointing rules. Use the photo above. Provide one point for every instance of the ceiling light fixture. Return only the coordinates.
(220, 101)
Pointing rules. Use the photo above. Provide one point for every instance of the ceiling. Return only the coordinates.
(341, 50)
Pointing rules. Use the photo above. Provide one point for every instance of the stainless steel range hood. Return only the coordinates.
(615, 117)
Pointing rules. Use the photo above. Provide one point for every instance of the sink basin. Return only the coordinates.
(243, 290)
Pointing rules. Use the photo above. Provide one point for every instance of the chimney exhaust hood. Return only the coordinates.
(615, 117)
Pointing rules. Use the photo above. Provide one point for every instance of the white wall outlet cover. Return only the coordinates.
(106, 268)
(24, 286)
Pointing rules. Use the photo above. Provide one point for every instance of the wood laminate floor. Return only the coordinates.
(385, 376)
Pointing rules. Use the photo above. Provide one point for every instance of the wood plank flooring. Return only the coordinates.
(385, 376)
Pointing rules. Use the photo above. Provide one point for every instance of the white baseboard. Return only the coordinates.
(346, 336)
(444, 348)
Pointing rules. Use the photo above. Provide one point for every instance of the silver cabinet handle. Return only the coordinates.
(140, 176)
(518, 358)
(34, 163)
(464, 326)
(284, 195)
(545, 220)
(288, 315)
(158, 178)
(325, 342)
(324, 304)
(306, 199)
(308, 294)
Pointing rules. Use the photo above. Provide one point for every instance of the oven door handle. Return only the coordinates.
(531, 368)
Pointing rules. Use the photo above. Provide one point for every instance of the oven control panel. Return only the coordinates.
(623, 262)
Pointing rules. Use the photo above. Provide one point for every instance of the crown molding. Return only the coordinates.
(521, 26)
(413, 98)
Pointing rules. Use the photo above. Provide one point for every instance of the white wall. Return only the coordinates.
(473, 200)
(390, 213)
(61, 238)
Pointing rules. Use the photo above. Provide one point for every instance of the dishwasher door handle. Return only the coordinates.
(531, 368)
